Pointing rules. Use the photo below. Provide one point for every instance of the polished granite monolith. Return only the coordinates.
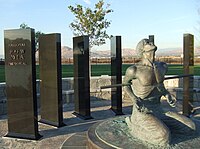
(116, 75)
(188, 67)
(51, 79)
(81, 77)
(21, 83)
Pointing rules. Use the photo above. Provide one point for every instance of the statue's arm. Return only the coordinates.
(160, 69)
(167, 95)
(129, 76)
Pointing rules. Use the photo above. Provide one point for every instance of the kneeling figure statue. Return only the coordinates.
(149, 122)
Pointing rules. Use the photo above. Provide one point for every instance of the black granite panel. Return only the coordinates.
(21, 83)
(51, 79)
(116, 75)
(188, 65)
(81, 76)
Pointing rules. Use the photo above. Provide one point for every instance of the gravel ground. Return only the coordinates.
(54, 138)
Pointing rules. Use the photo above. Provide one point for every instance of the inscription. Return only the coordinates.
(16, 63)
(16, 45)
(17, 54)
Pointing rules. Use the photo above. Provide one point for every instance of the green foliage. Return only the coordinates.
(37, 34)
(91, 22)
(2, 73)
(24, 26)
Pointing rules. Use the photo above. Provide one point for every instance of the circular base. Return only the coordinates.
(114, 133)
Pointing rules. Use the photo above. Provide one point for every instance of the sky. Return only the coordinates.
(133, 20)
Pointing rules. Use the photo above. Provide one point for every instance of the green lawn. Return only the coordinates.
(2, 73)
(104, 69)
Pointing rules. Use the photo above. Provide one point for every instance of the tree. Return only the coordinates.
(37, 34)
(91, 22)
(24, 26)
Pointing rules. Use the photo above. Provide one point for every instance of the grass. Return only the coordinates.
(104, 69)
(2, 73)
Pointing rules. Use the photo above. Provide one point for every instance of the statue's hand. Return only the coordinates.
(172, 102)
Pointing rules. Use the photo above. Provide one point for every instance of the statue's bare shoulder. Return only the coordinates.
(130, 73)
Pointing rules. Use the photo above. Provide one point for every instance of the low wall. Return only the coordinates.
(173, 85)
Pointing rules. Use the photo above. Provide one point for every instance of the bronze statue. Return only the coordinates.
(149, 122)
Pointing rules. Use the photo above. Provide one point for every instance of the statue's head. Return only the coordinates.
(145, 46)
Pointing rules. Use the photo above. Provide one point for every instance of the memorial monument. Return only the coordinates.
(81, 77)
(51, 79)
(116, 75)
(149, 122)
(188, 66)
(21, 83)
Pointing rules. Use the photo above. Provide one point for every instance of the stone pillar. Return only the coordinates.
(188, 64)
(51, 79)
(81, 77)
(116, 75)
(21, 83)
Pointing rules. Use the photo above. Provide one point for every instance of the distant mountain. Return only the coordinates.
(169, 52)
(99, 54)
(67, 52)
(128, 52)
(175, 52)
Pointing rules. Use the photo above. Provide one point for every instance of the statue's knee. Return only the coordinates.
(162, 136)
(154, 133)
(165, 134)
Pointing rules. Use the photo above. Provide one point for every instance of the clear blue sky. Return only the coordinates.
(132, 19)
